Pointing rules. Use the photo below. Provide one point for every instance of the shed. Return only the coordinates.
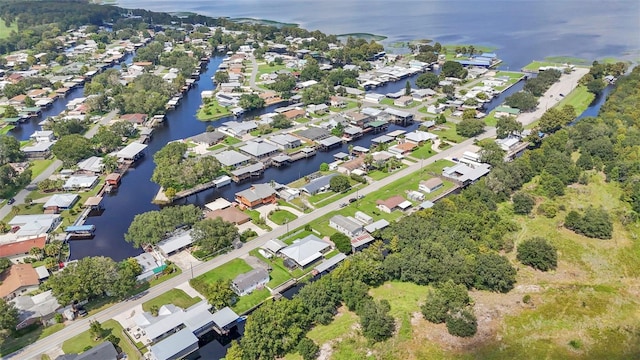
(131, 152)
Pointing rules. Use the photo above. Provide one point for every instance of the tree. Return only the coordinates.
(153, 226)
(522, 203)
(8, 316)
(551, 185)
(324, 167)
(5, 263)
(491, 153)
(522, 100)
(595, 86)
(251, 102)
(407, 88)
(454, 69)
(110, 163)
(72, 148)
(213, 235)
(124, 129)
(280, 122)
(446, 298)
(538, 253)
(462, 324)
(508, 125)
(219, 294)
(469, 114)
(9, 150)
(308, 349)
(342, 242)
(470, 128)
(339, 183)
(221, 77)
(494, 272)
(10, 112)
(377, 324)
(316, 94)
(36, 252)
(89, 278)
(595, 223)
(106, 140)
(96, 330)
(427, 80)
(234, 352)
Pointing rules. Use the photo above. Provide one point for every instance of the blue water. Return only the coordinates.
(520, 30)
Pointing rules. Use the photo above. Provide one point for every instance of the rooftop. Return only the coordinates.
(306, 250)
(17, 276)
(231, 158)
(131, 151)
(229, 214)
(257, 192)
(176, 242)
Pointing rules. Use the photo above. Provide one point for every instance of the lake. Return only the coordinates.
(520, 30)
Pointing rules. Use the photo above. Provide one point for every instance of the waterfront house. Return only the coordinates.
(175, 243)
(238, 128)
(373, 97)
(505, 111)
(103, 351)
(345, 225)
(357, 118)
(232, 158)
(274, 246)
(248, 172)
(352, 166)
(305, 251)
(30, 226)
(464, 174)
(430, 185)
(42, 136)
(319, 109)
(207, 138)
(378, 225)
(245, 284)
(225, 319)
(256, 195)
(149, 264)
(402, 148)
(400, 116)
(259, 149)
(318, 184)
(91, 165)
(37, 308)
(420, 137)
(393, 203)
(113, 179)
(329, 264)
(314, 133)
(285, 141)
(294, 114)
(352, 132)
(403, 101)
(17, 280)
(80, 182)
(137, 119)
(60, 202)
(329, 142)
(422, 94)
(16, 248)
(229, 214)
(39, 150)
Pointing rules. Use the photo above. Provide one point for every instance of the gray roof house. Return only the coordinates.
(175, 346)
(131, 152)
(61, 201)
(245, 284)
(175, 243)
(232, 158)
(255, 195)
(92, 165)
(345, 225)
(78, 182)
(316, 185)
(464, 174)
(208, 138)
(306, 251)
(285, 141)
(259, 149)
(239, 128)
(103, 351)
(225, 318)
(31, 309)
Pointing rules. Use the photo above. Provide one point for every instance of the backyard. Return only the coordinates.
(176, 297)
(79, 343)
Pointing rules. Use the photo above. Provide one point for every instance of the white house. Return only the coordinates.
(245, 284)
(430, 185)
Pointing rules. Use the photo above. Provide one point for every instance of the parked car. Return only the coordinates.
(11, 201)
(352, 200)
(343, 205)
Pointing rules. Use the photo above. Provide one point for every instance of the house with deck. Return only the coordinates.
(245, 284)
(256, 195)
(305, 252)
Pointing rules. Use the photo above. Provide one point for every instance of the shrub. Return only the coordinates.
(538, 253)
(307, 349)
(522, 203)
(462, 324)
(526, 299)
(548, 209)
(595, 223)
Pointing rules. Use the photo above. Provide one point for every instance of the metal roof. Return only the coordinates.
(231, 158)
(327, 264)
(306, 250)
(173, 345)
(177, 242)
(131, 151)
(224, 317)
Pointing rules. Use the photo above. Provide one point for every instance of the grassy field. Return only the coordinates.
(5, 30)
(38, 166)
(176, 297)
(227, 271)
(588, 308)
(281, 217)
(230, 140)
(25, 337)
(447, 131)
(423, 152)
(212, 111)
(247, 302)
(78, 343)
(278, 274)
(266, 69)
(579, 98)
(5, 130)
(535, 65)
(162, 278)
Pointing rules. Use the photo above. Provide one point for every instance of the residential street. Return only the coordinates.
(565, 85)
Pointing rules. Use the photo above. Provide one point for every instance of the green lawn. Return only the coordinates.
(247, 302)
(348, 106)
(568, 60)
(490, 119)
(266, 69)
(256, 218)
(26, 336)
(230, 140)
(162, 278)
(176, 297)
(6, 129)
(227, 271)
(38, 166)
(279, 274)
(404, 299)
(5, 30)
(281, 217)
(216, 147)
(423, 152)
(535, 65)
(447, 131)
(78, 343)
(579, 98)
(212, 111)
(514, 75)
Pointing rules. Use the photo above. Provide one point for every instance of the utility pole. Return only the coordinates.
(190, 263)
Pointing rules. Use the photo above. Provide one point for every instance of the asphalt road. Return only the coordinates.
(33, 351)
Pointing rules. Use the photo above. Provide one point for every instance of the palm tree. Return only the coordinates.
(53, 249)
(36, 252)
(350, 150)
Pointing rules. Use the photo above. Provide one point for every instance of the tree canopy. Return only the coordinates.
(72, 148)
(339, 183)
(212, 235)
(174, 171)
(470, 127)
(522, 100)
(538, 253)
(153, 226)
(454, 69)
